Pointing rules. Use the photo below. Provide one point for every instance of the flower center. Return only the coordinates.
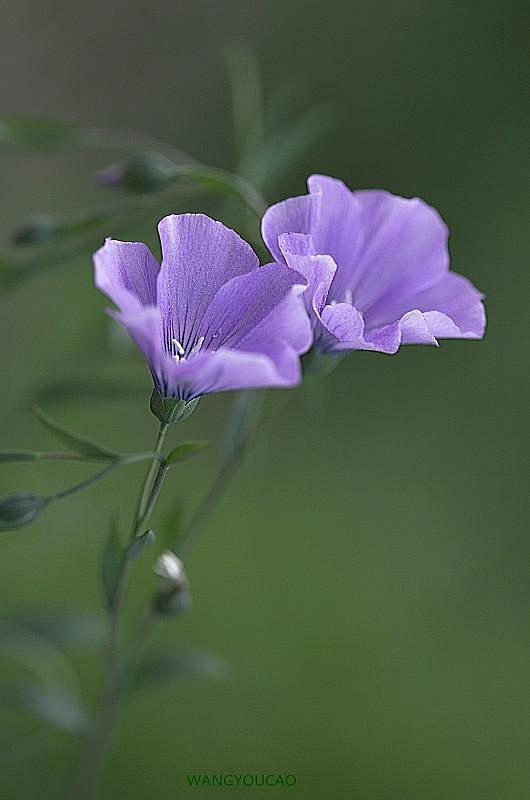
(179, 353)
(348, 298)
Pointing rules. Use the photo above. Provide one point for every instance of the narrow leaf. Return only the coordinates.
(75, 441)
(17, 455)
(157, 668)
(52, 705)
(111, 565)
(68, 627)
(139, 544)
(184, 450)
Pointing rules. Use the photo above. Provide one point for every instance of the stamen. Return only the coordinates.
(196, 347)
(178, 347)
(348, 296)
(179, 355)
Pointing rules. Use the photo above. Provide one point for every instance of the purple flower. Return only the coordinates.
(377, 267)
(209, 318)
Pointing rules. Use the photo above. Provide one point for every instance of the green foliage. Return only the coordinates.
(165, 666)
(75, 441)
(111, 565)
(38, 133)
(170, 409)
(244, 416)
(10, 456)
(185, 450)
(139, 544)
(58, 708)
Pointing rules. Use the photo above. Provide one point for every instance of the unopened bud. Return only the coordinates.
(174, 595)
(145, 172)
(38, 229)
(20, 508)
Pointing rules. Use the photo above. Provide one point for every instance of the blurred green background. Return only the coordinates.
(366, 577)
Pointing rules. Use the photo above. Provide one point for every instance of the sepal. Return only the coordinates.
(171, 409)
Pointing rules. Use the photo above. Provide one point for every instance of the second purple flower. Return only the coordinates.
(377, 267)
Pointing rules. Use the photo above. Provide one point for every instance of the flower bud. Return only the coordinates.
(145, 172)
(173, 596)
(20, 508)
(38, 229)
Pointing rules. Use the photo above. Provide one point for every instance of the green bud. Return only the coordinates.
(36, 230)
(171, 409)
(20, 508)
(145, 172)
(172, 600)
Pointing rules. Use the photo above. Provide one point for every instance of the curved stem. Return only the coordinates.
(109, 705)
(131, 141)
(241, 428)
(120, 462)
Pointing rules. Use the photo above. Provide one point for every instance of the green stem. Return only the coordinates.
(222, 180)
(241, 429)
(99, 475)
(101, 735)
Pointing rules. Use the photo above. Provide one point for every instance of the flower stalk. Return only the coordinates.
(100, 739)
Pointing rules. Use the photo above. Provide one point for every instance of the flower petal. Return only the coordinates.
(299, 253)
(295, 215)
(224, 370)
(282, 336)
(453, 308)
(199, 256)
(126, 272)
(144, 326)
(337, 230)
(245, 302)
(404, 250)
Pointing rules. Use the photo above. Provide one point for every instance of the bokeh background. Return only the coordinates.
(366, 578)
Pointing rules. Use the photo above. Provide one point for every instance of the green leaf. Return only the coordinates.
(111, 565)
(139, 544)
(70, 628)
(17, 455)
(286, 145)
(57, 707)
(184, 450)
(38, 133)
(164, 666)
(20, 508)
(247, 101)
(75, 441)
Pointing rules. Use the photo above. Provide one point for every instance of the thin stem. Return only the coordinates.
(209, 502)
(222, 179)
(144, 495)
(99, 475)
(84, 484)
(241, 428)
(112, 692)
(131, 141)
